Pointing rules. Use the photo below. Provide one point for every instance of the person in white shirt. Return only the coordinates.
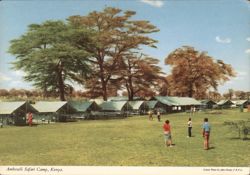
(189, 127)
(159, 115)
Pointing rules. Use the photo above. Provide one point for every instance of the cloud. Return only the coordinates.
(241, 73)
(155, 3)
(4, 77)
(222, 40)
(247, 51)
(248, 39)
(16, 83)
(19, 73)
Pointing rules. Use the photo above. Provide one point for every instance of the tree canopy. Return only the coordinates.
(194, 72)
(116, 35)
(50, 55)
(102, 51)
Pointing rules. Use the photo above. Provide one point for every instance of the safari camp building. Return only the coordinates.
(225, 104)
(14, 113)
(208, 104)
(84, 109)
(176, 104)
(138, 107)
(115, 109)
(55, 111)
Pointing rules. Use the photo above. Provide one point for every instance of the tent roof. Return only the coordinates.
(122, 98)
(151, 104)
(136, 104)
(177, 101)
(222, 102)
(98, 101)
(183, 101)
(207, 101)
(239, 102)
(113, 105)
(166, 100)
(10, 107)
(49, 106)
(81, 106)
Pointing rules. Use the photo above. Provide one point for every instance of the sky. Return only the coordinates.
(219, 27)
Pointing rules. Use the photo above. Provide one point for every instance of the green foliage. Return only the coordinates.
(52, 53)
(242, 126)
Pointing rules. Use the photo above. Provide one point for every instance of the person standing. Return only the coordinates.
(150, 113)
(30, 118)
(189, 127)
(158, 115)
(206, 130)
(167, 133)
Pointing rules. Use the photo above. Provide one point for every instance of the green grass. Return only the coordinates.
(134, 141)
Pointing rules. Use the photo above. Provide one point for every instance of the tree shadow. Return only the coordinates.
(212, 147)
(235, 138)
(246, 139)
(238, 138)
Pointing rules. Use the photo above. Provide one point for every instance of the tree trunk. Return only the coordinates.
(103, 82)
(128, 90)
(61, 83)
(104, 91)
(131, 89)
(190, 90)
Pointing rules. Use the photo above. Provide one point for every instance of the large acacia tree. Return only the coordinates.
(51, 54)
(116, 34)
(194, 72)
(139, 74)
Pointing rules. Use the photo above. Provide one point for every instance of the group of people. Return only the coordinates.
(206, 129)
(158, 113)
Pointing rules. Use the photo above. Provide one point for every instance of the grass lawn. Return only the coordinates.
(134, 141)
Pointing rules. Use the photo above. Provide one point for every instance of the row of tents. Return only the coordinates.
(224, 104)
(14, 113)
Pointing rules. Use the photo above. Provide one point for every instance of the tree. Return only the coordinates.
(4, 93)
(226, 95)
(164, 87)
(195, 72)
(241, 126)
(230, 93)
(139, 74)
(213, 95)
(115, 35)
(51, 55)
(240, 95)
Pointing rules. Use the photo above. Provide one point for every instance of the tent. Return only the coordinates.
(138, 107)
(53, 110)
(176, 104)
(15, 112)
(208, 104)
(84, 109)
(225, 104)
(241, 103)
(115, 109)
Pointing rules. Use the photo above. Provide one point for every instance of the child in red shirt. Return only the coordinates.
(167, 133)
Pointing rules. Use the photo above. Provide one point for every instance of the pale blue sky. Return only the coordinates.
(220, 27)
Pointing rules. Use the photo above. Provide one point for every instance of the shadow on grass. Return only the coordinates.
(238, 138)
(212, 147)
(246, 139)
(33, 125)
